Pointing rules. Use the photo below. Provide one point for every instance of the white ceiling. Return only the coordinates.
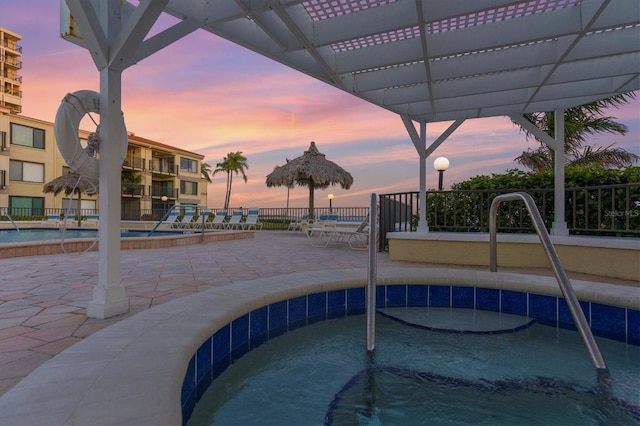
(440, 60)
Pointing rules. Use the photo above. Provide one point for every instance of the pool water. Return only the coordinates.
(24, 235)
(322, 374)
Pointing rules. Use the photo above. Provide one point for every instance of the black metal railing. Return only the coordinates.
(608, 210)
(611, 210)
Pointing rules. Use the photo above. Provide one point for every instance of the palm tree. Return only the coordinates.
(205, 171)
(234, 162)
(581, 122)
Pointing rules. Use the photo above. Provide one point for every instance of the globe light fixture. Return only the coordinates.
(330, 197)
(441, 164)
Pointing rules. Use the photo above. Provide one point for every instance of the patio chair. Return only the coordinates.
(92, 220)
(218, 221)
(320, 229)
(252, 221)
(186, 220)
(297, 224)
(234, 221)
(204, 219)
(172, 218)
(333, 234)
(51, 220)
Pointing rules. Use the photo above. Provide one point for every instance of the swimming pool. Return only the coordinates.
(45, 241)
(49, 234)
(421, 375)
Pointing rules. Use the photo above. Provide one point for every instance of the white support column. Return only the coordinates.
(423, 226)
(559, 226)
(108, 296)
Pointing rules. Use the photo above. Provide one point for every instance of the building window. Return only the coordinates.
(27, 136)
(26, 172)
(189, 188)
(3, 141)
(188, 165)
(26, 206)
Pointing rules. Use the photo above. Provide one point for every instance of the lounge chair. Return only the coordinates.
(172, 218)
(318, 231)
(252, 220)
(218, 221)
(298, 224)
(186, 220)
(354, 236)
(235, 221)
(204, 219)
(51, 220)
(92, 220)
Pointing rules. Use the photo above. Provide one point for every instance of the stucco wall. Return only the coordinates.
(579, 255)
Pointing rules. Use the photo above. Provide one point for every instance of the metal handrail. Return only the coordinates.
(15, 225)
(563, 281)
(372, 275)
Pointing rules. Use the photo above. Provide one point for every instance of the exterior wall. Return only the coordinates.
(143, 150)
(587, 256)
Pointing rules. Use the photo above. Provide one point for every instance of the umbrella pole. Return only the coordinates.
(311, 207)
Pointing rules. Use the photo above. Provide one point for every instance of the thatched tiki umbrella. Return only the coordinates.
(311, 169)
(69, 182)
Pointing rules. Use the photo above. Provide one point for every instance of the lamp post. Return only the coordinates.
(330, 197)
(164, 199)
(441, 164)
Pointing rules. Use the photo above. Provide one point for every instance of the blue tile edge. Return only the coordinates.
(252, 329)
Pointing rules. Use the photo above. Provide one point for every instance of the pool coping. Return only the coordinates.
(121, 374)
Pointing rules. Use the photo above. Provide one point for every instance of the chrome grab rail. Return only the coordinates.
(6, 213)
(371, 275)
(565, 285)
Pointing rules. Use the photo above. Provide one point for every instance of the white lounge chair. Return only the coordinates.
(92, 221)
(172, 218)
(235, 221)
(186, 220)
(354, 236)
(218, 221)
(298, 224)
(252, 220)
(317, 232)
(51, 220)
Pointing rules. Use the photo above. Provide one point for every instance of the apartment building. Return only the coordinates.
(10, 64)
(155, 176)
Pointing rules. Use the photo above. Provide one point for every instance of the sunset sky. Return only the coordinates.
(210, 96)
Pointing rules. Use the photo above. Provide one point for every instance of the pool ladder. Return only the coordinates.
(565, 285)
(6, 213)
(563, 281)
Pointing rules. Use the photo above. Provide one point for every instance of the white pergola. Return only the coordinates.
(426, 60)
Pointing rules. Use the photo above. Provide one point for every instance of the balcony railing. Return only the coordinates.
(133, 190)
(157, 166)
(14, 62)
(134, 162)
